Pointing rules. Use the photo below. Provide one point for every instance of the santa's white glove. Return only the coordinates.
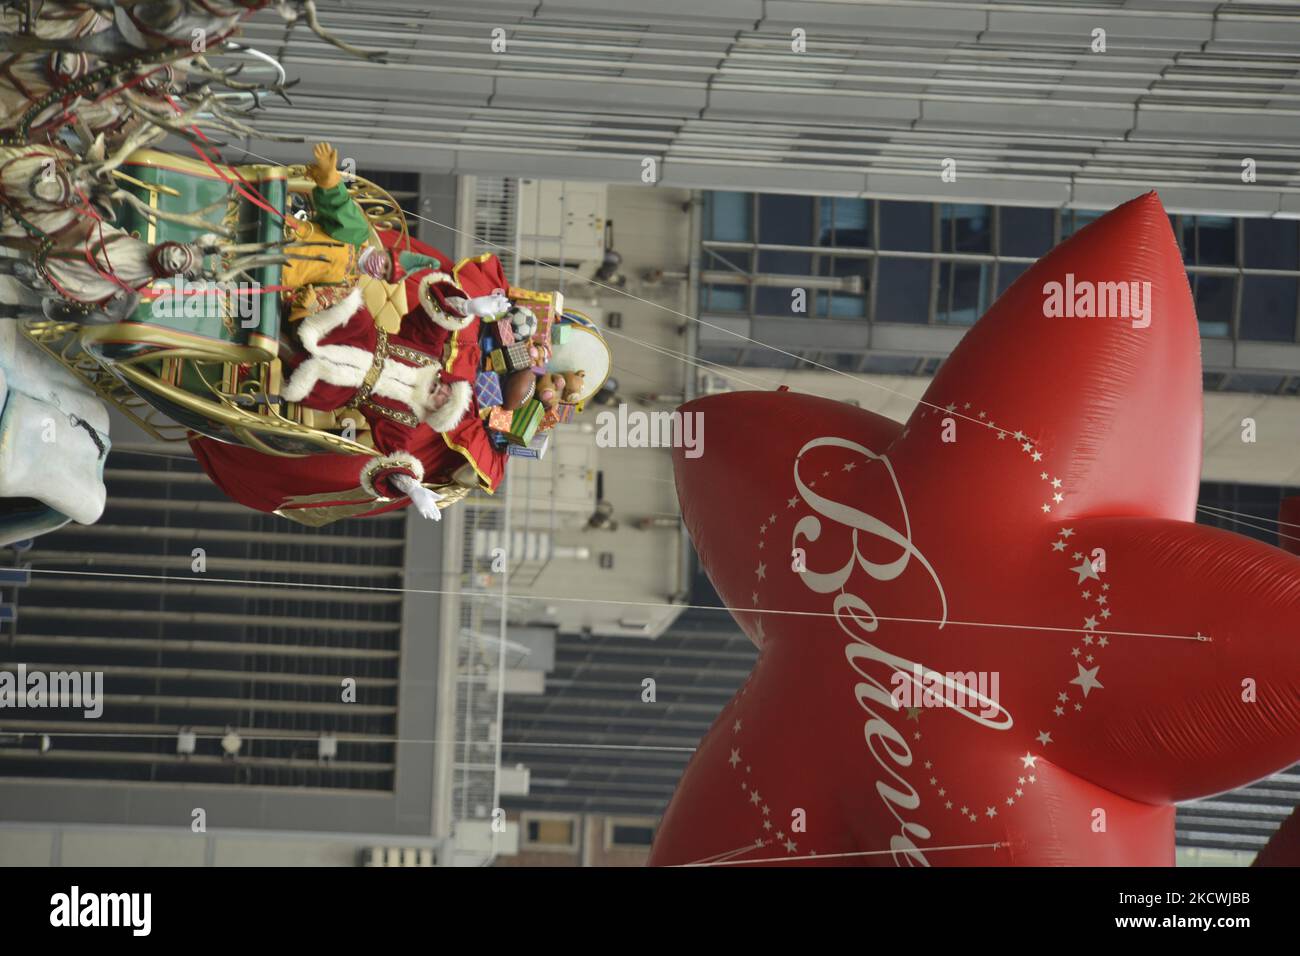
(487, 305)
(425, 501)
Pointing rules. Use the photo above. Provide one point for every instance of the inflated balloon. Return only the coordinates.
(993, 635)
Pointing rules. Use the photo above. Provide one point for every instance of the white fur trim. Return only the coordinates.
(433, 310)
(320, 324)
(375, 465)
(421, 382)
(448, 417)
(343, 365)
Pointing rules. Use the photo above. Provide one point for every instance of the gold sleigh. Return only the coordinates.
(210, 372)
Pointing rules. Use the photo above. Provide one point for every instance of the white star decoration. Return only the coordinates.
(1087, 679)
(1085, 570)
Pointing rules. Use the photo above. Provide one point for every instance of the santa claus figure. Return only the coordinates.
(414, 389)
(400, 378)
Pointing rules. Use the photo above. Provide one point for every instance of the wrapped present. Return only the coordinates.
(507, 333)
(487, 389)
(487, 344)
(499, 420)
(561, 334)
(556, 416)
(535, 449)
(525, 423)
(498, 441)
(510, 358)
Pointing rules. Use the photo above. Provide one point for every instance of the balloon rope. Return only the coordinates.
(254, 582)
(838, 856)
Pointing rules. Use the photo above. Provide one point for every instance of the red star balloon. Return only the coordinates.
(993, 635)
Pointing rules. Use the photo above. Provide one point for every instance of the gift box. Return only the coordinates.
(555, 416)
(561, 334)
(535, 449)
(524, 425)
(507, 333)
(499, 420)
(510, 358)
(487, 389)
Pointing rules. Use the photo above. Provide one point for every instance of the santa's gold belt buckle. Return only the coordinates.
(372, 376)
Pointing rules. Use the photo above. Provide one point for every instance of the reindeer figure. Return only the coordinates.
(59, 217)
(163, 26)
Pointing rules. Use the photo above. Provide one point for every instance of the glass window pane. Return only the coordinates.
(965, 228)
(780, 302)
(786, 263)
(906, 226)
(1009, 272)
(1210, 240)
(716, 260)
(845, 222)
(1214, 296)
(1026, 232)
(728, 217)
(963, 293)
(726, 298)
(903, 291)
(1268, 305)
(846, 306)
(785, 220)
(1271, 243)
(1072, 220)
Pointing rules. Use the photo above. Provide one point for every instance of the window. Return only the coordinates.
(965, 228)
(725, 298)
(1209, 240)
(903, 290)
(1025, 232)
(785, 220)
(963, 292)
(1214, 297)
(1268, 308)
(1072, 220)
(728, 217)
(844, 222)
(629, 834)
(906, 226)
(547, 830)
(785, 263)
(1271, 243)
(1009, 272)
(774, 300)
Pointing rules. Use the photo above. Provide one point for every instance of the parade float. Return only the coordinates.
(319, 360)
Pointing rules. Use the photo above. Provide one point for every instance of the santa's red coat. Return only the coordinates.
(274, 484)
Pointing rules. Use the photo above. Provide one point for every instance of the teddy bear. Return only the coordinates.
(556, 387)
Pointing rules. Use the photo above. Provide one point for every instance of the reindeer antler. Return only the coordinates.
(313, 22)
